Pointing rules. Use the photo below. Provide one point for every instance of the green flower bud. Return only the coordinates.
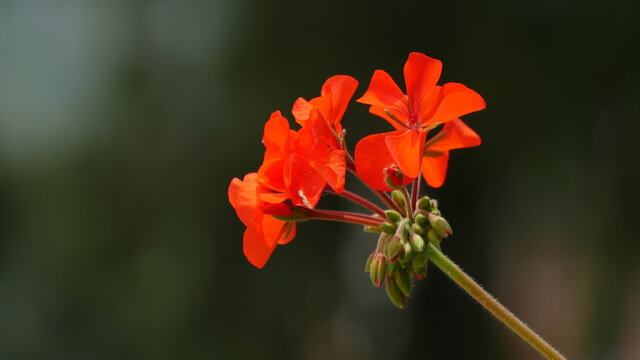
(421, 219)
(434, 204)
(367, 267)
(419, 263)
(395, 295)
(403, 280)
(417, 242)
(394, 248)
(393, 216)
(372, 229)
(398, 199)
(433, 237)
(440, 225)
(407, 251)
(424, 203)
(417, 229)
(373, 271)
(392, 267)
(388, 227)
(382, 270)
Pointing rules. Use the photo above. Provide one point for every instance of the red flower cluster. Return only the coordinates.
(299, 165)
(296, 168)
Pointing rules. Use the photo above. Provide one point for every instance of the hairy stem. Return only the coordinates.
(490, 303)
(343, 216)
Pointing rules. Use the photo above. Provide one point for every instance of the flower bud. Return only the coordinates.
(372, 229)
(407, 251)
(394, 293)
(417, 229)
(398, 199)
(382, 270)
(388, 227)
(367, 267)
(440, 225)
(392, 267)
(419, 265)
(403, 280)
(394, 248)
(394, 177)
(417, 242)
(421, 219)
(373, 271)
(393, 216)
(424, 203)
(433, 237)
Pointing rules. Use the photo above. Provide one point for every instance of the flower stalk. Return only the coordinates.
(491, 304)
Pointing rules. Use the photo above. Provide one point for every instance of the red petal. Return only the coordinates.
(456, 100)
(421, 74)
(434, 169)
(301, 110)
(332, 169)
(244, 198)
(458, 136)
(255, 248)
(407, 148)
(372, 156)
(383, 92)
(277, 133)
(341, 89)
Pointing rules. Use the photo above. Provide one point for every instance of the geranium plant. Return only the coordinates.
(299, 165)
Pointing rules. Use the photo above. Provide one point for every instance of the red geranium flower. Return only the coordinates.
(413, 115)
(263, 231)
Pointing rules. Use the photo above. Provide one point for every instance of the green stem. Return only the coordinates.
(490, 303)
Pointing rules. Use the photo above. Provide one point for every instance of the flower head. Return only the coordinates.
(425, 106)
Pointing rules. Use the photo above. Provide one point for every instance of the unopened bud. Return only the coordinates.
(421, 219)
(398, 199)
(407, 250)
(373, 272)
(388, 227)
(417, 242)
(440, 225)
(394, 248)
(394, 177)
(403, 280)
(393, 216)
(382, 270)
(367, 267)
(394, 293)
(392, 267)
(372, 229)
(378, 269)
(417, 229)
(433, 237)
(434, 204)
(419, 261)
(424, 203)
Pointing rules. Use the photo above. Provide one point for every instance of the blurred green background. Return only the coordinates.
(123, 122)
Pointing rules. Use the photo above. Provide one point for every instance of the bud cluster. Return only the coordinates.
(400, 253)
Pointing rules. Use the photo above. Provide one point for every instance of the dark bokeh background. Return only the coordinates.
(122, 123)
